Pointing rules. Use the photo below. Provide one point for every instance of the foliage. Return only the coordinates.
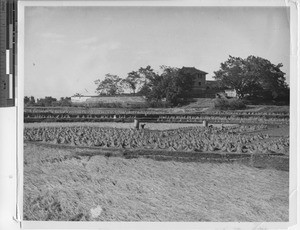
(136, 80)
(147, 74)
(254, 77)
(132, 80)
(169, 88)
(65, 101)
(172, 85)
(158, 104)
(225, 104)
(29, 101)
(47, 101)
(144, 91)
(111, 85)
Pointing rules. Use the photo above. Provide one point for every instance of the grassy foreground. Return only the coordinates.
(99, 188)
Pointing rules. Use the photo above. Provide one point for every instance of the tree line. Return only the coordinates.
(47, 101)
(253, 78)
(170, 85)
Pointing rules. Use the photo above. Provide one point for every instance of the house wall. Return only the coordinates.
(207, 89)
(79, 99)
(200, 81)
(109, 99)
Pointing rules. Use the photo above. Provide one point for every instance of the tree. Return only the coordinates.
(254, 77)
(132, 80)
(26, 100)
(173, 85)
(147, 74)
(111, 85)
(145, 90)
(65, 101)
(178, 84)
(29, 101)
(46, 102)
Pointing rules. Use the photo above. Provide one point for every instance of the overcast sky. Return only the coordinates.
(68, 48)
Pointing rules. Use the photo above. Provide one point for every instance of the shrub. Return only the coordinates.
(226, 104)
(158, 104)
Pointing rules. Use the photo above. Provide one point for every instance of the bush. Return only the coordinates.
(104, 105)
(229, 104)
(158, 104)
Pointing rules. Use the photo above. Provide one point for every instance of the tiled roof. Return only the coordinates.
(193, 69)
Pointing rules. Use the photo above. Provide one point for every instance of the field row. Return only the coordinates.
(118, 114)
(235, 139)
(154, 118)
(79, 110)
(225, 119)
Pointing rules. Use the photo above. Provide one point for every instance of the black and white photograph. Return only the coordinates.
(156, 113)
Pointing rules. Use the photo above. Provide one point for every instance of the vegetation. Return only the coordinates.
(29, 101)
(229, 104)
(254, 78)
(84, 183)
(63, 185)
(95, 171)
(111, 85)
(133, 81)
(172, 86)
(47, 102)
(199, 139)
(166, 89)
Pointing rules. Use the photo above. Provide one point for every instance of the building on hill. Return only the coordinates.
(202, 88)
(200, 77)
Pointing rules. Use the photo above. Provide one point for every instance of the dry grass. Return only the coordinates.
(120, 189)
(269, 108)
(200, 103)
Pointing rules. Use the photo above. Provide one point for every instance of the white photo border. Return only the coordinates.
(294, 118)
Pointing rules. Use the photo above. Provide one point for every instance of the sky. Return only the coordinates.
(68, 48)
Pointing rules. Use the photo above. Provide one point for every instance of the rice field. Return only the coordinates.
(230, 139)
(70, 173)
